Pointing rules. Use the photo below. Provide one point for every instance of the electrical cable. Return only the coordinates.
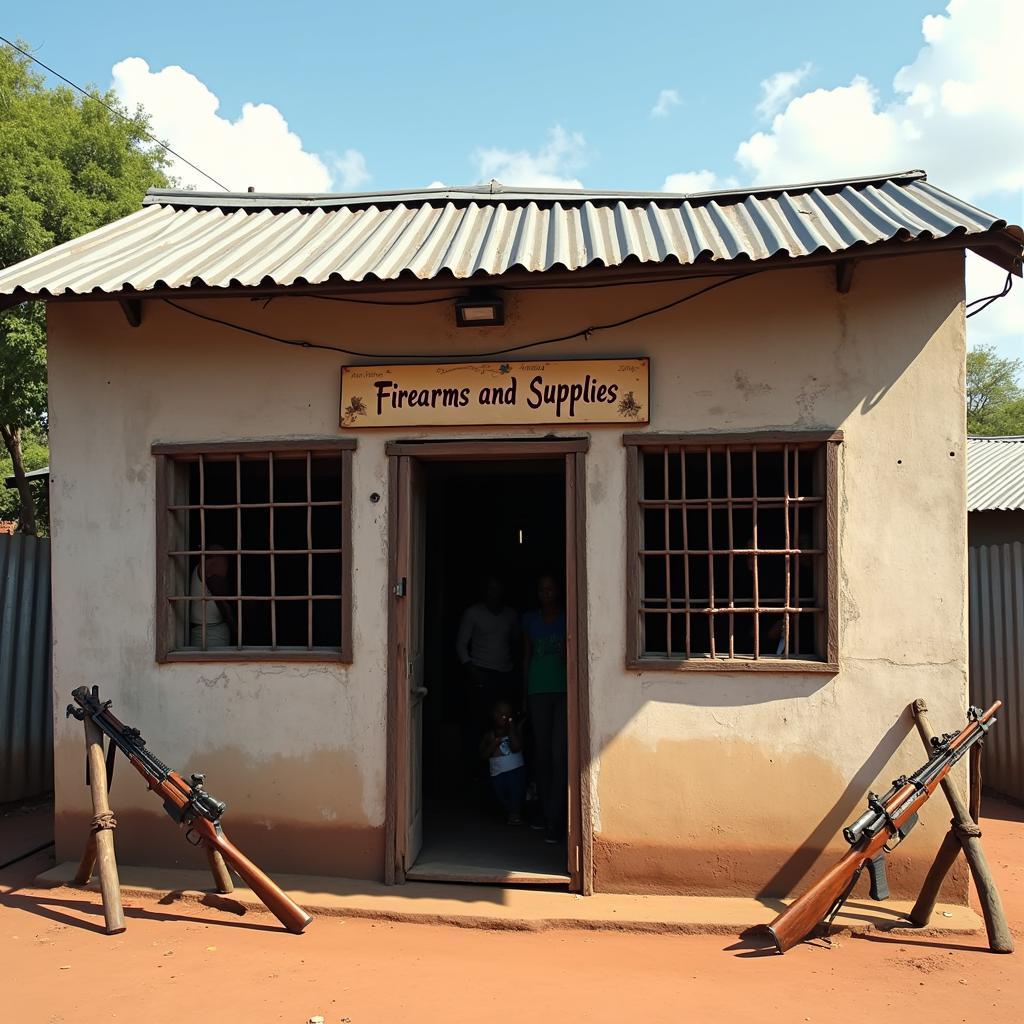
(573, 286)
(584, 332)
(376, 302)
(113, 110)
(987, 300)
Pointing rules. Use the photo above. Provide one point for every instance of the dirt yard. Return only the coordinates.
(181, 961)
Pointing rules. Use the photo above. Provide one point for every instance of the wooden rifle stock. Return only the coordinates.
(273, 897)
(827, 895)
(804, 914)
(174, 790)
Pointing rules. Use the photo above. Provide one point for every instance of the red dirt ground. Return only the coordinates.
(181, 961)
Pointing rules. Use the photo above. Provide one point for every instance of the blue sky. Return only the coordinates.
(417, 90)
(343, 96)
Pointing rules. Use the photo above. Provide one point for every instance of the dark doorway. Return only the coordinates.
(483, 519)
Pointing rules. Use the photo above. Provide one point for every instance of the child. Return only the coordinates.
(503, 747)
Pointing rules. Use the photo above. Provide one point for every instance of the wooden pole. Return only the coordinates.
(84, 873)
(221, 874)
(967, 835)
(103, 824)
(976, 783)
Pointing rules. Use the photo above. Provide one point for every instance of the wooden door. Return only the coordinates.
(409, 592)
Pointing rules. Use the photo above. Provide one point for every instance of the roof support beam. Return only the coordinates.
(844, 276)
(132, 309)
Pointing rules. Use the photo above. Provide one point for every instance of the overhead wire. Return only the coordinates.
(987, 300)
(584, 332)
(115, 111)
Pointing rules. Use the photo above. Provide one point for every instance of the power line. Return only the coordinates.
(113, 110)
(584, 332)
(986, 300)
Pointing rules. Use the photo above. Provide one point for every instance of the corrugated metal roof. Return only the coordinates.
(218, 240)
(995, 473)
(35, 474)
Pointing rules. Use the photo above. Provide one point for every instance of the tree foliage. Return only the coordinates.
(35, 453)
(995, 399)
(67, 166)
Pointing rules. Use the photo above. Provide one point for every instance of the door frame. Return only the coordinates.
(573, 453)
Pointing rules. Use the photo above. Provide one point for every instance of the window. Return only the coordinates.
(732, 544)
(253, 550)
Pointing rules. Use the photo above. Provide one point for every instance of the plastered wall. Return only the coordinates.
(702, 782)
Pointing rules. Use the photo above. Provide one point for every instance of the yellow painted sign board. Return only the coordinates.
(496, 394)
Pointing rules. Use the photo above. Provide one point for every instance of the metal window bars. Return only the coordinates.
(732, 551)
(292, 488)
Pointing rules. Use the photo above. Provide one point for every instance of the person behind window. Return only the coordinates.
(486, 645)
(502, 746)
(544, 668)
(221, 624)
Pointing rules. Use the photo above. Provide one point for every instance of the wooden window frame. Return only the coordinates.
(635, 659)
(164, 454)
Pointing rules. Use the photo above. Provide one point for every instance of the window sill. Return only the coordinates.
(777, 665)
(262, 654)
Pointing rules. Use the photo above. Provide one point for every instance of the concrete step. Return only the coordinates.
(481, 906)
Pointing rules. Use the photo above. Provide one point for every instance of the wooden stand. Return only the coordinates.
(219, 870)
(100, 850)
(965, 835)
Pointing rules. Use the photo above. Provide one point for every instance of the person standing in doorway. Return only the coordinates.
(544, 668)
(486, 645)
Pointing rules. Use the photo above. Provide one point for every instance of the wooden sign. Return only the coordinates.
(499, 394)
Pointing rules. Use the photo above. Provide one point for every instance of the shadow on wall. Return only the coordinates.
(769, 863)
(792, 873)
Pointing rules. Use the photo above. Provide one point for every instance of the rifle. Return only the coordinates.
(188, 804)
(878, 831)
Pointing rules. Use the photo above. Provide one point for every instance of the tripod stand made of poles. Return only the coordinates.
(99, 851)
(964, 834)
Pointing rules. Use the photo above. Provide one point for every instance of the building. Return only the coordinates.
(995, 534)
(995, 490)
(731, 424)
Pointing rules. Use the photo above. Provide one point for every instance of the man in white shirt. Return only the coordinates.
(487, 646)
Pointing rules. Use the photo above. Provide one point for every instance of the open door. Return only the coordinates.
(411, 689)
(409, 658)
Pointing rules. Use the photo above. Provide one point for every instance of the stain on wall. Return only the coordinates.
(713, 817)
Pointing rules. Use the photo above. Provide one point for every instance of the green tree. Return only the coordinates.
(35, 453)
(995, 399)
(68, 165)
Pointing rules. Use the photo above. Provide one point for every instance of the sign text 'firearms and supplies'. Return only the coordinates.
(499, 394)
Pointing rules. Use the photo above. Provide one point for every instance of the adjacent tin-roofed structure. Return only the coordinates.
(995, 474)
(184, 240)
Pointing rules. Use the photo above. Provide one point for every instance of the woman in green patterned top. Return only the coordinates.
(544, 669)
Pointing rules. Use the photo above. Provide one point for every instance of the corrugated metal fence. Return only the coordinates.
(26, 722)
(997, 657)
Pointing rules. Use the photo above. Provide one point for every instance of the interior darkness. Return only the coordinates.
(706, 533)
(503, 519)
(306, 542)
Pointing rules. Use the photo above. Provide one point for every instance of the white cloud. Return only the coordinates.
(778, 89)
(667, 99)
(550, 167)
(257, 149)
(351, 169)
(955, 112)
(696, 181)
